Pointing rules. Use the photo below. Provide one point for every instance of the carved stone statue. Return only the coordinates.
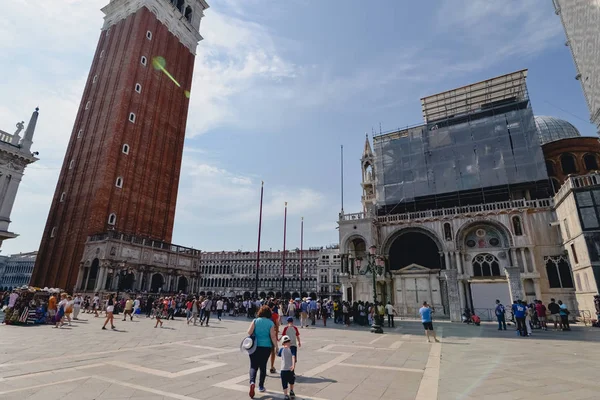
(20, 127)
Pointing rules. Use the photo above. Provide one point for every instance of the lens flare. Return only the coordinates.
(159, 64)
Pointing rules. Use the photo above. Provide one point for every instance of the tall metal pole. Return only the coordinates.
(262, 184)
(283, 256)
(301, 248)
(342, 178)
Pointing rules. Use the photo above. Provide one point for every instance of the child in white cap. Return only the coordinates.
(288, 364)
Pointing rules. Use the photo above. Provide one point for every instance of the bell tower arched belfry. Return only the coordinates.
(368, 178)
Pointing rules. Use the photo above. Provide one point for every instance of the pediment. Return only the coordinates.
(414, 268)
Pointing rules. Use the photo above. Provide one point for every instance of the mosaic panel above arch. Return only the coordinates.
(483, 237)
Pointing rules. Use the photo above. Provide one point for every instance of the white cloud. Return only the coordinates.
(236, 59)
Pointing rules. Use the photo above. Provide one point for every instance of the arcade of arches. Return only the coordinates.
(101, 276)
(470, 269)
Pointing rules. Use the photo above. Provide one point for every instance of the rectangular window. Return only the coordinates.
(131, 117)
(588, 203)
(574, 254)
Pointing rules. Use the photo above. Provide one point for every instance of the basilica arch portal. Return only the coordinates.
(415, 259)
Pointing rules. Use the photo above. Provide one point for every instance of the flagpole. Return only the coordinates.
(262, 184)
(283, 257)
(301, 248)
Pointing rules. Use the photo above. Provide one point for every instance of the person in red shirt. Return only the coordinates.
(188, 310)
(540, 309)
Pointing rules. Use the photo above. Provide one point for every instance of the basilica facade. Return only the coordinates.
(461, 210)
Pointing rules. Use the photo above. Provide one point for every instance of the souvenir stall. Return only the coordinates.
(30, 306)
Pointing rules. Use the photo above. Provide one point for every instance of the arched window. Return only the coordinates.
(144, 61)
(63, 195)
(138, 88)
(119, 182)
(550, 168)
(131, 117)
(517, 228)
(188, 13)
(558, 271)
(126, 148)
(448, 232)
(180, 4)
(590, 161)
(486, 265)
(112, 219)
(567, 162)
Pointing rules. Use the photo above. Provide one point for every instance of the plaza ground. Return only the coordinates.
(186, 362)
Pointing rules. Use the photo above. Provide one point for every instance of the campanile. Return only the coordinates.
(122, 165)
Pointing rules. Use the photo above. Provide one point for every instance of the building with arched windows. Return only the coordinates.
(461, 210)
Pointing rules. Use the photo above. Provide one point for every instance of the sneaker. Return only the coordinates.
(292, 394)
(251, 393)
(286, 397)
(104, 327)
(262, 389)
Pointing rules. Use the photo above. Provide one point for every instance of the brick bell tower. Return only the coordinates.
(122, 165)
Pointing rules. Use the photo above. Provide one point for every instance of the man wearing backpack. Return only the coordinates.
(500, 314)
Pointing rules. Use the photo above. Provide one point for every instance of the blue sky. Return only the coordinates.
(278, 87)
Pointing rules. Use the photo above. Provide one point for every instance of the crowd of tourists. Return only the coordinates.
(534, 315)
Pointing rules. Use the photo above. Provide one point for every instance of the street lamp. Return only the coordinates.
(375, 266)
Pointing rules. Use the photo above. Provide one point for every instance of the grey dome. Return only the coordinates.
(551, 129)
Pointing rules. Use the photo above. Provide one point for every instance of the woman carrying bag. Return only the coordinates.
(258, 346)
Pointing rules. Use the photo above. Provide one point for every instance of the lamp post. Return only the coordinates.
(374, 266)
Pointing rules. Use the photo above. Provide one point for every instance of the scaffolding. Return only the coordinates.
(478, 144)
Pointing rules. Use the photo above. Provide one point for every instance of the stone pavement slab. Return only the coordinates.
(193, 363)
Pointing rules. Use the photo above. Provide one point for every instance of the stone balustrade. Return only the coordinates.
(488, 208)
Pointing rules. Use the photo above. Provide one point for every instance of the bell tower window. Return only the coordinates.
(112, 219)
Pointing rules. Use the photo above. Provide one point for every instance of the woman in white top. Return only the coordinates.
(62, 307)
(110, 307)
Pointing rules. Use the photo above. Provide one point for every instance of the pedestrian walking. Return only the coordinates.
(288, 365)
(263, 331)
(77, 302)
(500, 315)
(219, 308)
(520, 311)
(391, 312)
(564, 316)
(110, 308)
(427, 321)
(555, 314)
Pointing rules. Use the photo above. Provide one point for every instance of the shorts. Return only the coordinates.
(428, 326)
(52, 313)
(542, 319)
(555, 317)
(287, 377)
(275, 319)
(294, 350)
(110, 308)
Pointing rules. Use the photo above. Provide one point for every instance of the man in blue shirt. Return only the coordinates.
(520, 309)
(425, 312)
(313, 311)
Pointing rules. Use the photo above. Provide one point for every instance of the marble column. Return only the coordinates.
(513, 256)
(79, 278)
(447, 260)
(453, 294)
(459, 263)
(461, 294)
(524, 259)
(515, 285)
(100, 280)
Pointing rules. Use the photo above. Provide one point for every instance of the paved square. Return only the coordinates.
(187, 362)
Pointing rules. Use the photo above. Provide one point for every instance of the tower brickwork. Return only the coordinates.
(122, 165)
